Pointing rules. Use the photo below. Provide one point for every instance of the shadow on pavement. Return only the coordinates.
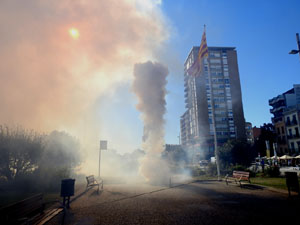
(252, 187)
(96, 193)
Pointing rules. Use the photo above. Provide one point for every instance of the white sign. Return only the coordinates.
(103, 145)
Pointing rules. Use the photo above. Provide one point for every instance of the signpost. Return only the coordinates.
(103, 146)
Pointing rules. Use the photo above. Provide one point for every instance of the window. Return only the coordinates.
(294, 119)
(217, 112)
(292, 145)
(215, 67)
(214, 54)
(218, 92)
(219, 99)
(282, 130)
(297, 131)
(278, 130)
(221, 105)
(224, 61)
(221, 126)
(217, 61)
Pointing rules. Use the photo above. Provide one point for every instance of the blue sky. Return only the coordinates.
(263, 33)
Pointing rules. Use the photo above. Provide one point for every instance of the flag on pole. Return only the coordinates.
(196, 68)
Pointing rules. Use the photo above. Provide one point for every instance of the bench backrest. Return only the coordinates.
(23, 209)
(90, 179)
(240, 174)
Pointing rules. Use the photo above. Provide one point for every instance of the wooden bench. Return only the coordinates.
(23, 212)
(238, 176)
(91, 181)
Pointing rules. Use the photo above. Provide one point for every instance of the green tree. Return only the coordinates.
(20, 151)
(235, 152)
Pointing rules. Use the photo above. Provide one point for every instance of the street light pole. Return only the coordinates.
(298, 45)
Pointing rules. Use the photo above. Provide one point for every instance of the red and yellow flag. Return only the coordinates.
(196, 68)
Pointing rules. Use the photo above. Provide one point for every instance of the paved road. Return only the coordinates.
(202, 202)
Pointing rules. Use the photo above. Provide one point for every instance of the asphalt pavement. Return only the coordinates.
(197, 202)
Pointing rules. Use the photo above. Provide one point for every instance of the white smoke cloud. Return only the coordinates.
(49, 80)
(149, 85)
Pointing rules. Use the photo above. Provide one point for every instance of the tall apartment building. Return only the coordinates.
(217, 91)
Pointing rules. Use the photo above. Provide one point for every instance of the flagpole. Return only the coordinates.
(214, 122)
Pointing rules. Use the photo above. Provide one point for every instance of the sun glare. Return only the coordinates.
(74, 33)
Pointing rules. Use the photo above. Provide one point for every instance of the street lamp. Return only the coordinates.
(293, 52)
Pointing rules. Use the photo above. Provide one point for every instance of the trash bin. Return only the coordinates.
(292, 182)
(67, 187)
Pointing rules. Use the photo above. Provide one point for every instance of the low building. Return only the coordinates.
(256, 133)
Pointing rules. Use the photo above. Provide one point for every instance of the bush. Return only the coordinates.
(196, 172)
(272, 171)
(211, 169)
(238, 168)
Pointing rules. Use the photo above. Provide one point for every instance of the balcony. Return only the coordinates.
(291, 123)
(276, 99)
(277, 109)
(293, 136)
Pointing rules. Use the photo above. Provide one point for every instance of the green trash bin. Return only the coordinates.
(67, 190)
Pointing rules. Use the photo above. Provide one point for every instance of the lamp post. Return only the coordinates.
(293, 52)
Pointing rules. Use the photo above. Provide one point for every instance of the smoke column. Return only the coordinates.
(149, 86)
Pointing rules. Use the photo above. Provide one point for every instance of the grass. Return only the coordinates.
(278, 182)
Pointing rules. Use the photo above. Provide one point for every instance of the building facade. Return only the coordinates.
(285, 110)
(213, 98)
(291, 120)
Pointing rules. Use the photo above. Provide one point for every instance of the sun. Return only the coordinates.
(74, 33)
